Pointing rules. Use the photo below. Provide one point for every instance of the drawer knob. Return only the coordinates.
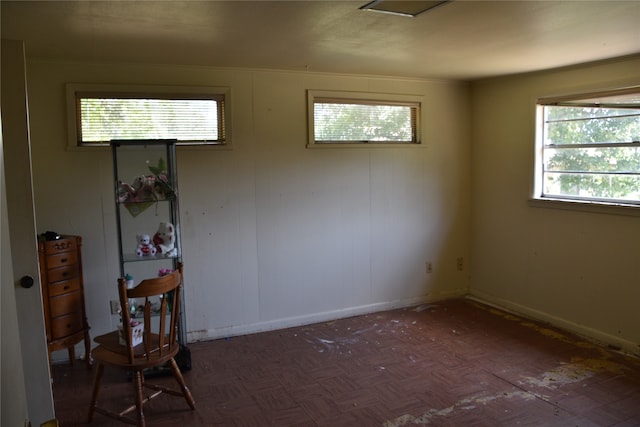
(26, 282)
(64, 260)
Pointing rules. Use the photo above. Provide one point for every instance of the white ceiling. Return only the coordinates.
(463, 39)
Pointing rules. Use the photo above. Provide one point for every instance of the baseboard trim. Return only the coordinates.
(585, 332)
(288, 322)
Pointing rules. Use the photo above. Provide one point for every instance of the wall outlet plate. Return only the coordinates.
(115, 306)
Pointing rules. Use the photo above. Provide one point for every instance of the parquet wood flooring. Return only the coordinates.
(453, 363)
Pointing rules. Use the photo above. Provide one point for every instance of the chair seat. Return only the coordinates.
(111, 352)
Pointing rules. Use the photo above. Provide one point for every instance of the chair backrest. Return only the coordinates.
(161, 296)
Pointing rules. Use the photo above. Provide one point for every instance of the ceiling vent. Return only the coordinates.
(402, 8)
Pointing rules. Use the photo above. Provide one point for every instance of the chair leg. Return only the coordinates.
(137, 384)
(96, 389)
(183, 386)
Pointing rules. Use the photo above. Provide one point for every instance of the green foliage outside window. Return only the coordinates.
(592, 152)
(361, 123)
(187, 120)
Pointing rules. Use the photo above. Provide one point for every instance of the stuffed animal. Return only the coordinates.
(125, 192)
(165, 239)
(145, 189)
(145, 248)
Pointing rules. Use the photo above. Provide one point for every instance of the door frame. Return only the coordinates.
(22, 233)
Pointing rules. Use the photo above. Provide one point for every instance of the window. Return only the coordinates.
(192, 117)
(363, 119)
(589, 148)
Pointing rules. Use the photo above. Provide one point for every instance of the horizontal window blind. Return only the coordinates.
(103, 117)
(364, 121)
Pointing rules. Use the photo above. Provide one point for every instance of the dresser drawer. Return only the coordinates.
(62, 245)
(62, 259)
(65, 304)
(63, 287)
(62, 273)
(66, 325)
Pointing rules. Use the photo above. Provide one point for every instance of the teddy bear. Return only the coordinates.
(144, 245)
(165, 239)
(142, 190)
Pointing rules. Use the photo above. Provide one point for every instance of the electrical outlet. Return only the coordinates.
(115, 306)
(460, 263)
(429, 267)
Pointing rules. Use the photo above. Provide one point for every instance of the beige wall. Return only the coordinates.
(274, 234)
(580, 270)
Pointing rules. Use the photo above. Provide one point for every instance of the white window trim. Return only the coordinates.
(313, 94)
(536, 199)
(73, 88)
(584, 206)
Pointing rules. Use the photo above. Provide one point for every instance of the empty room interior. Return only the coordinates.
(391, 213)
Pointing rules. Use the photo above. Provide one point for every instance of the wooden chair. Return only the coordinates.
(158, 347)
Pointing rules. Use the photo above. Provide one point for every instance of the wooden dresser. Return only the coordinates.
(63, 295)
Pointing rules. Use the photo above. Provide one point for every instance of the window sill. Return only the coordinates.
(592, 207)
(363, 146)
(181, 146)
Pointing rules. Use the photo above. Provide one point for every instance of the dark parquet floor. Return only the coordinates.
(453, 363)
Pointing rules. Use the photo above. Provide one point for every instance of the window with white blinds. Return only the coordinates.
(189, 118)
(363, 119)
